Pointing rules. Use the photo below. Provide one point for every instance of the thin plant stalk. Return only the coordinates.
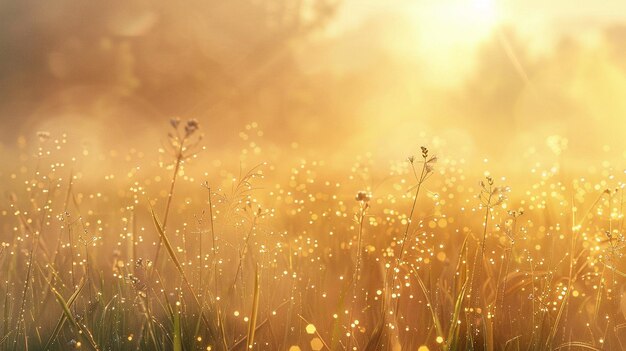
(29, 270)
(170, 195)
(420, 180)
(363, 199)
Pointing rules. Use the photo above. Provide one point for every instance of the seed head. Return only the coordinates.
(43, 136)
(424, 152)
(175, 122)
(363, 196)
(191, 126)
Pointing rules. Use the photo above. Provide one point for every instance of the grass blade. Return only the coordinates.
(178, 340)
(68, 314)
(433, 314)
(63, 317)
(453, 333)
(168, 245)
(255, 311)
(577, 344)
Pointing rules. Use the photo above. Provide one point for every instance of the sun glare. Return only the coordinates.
(484, 10)
(446, 30)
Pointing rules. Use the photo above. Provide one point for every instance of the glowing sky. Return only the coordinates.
(445, 33)
(486, 77)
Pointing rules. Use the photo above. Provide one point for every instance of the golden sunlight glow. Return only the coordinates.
(313, 175)
(484, 9)
(442, 31)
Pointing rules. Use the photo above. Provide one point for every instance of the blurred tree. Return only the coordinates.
(144, 59)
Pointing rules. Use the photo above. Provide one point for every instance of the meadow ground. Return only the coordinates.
(429, 252)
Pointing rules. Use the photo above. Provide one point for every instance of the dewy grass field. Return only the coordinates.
(300, 175)
(431, 257)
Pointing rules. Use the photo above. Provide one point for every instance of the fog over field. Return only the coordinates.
(312, 174)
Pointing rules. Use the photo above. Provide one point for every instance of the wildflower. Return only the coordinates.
(490, 195)
(43, 136)
(363, 196)
(191, 126)
(429, 168)
(175, 122)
